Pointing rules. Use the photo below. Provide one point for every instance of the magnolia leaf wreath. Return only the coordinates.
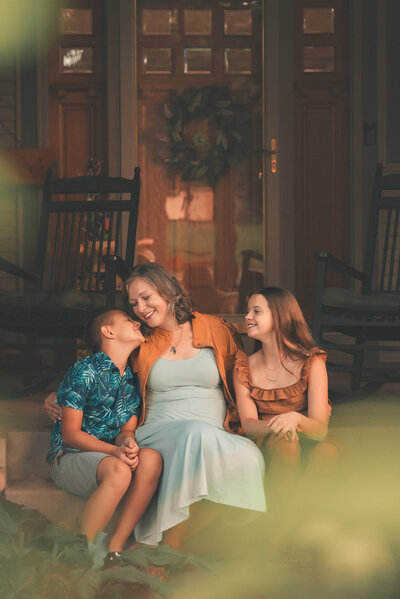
(206, 136)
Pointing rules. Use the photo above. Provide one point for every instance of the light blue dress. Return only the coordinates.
(185, 412)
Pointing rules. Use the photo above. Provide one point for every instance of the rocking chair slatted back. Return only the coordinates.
(75, 235)
(371, 318)
(382, 256)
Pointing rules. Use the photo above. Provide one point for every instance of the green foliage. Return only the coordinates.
(40, 559)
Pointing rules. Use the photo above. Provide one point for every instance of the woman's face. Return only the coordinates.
(259, 319)
(148, 305)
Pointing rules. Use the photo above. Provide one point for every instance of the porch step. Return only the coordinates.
(26, 455)
(45, 497)
(27, 477)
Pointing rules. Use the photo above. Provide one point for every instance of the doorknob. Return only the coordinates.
(272, 152)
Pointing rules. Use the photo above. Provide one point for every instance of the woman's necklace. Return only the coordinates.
(173, 346)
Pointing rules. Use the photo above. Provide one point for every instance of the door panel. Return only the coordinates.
(322, 139)
(198, 225)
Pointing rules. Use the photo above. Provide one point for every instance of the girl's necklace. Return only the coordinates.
(277, 370)
(173, 346)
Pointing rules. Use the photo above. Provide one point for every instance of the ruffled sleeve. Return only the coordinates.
(316, 352)
(241, 366)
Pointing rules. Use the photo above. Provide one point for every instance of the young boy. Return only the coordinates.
(93, 449)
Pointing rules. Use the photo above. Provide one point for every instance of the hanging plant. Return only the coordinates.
(206, 134)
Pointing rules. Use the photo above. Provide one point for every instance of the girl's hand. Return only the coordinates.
(52, 409)
(286, 426)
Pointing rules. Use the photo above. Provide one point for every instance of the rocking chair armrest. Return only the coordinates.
(17, 271)
(333, 263)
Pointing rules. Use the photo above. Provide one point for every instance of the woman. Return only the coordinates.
(189, 414)
(282, 389)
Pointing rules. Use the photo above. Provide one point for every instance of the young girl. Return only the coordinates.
(282, 389)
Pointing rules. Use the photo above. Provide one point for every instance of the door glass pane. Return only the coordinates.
(199, 139)
(156, 22)
(197, 60)
(238, 61)
(197, 22)
(318, 20)
(319, 59)
(157, 60)
(76, 21)
(77, 60)
(238, 22)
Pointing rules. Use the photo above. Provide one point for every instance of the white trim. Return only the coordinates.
(121, 87)
(356, 183)
(128, 87)
(382, 124)
(42, 84)
(113, 89)
(389, 167)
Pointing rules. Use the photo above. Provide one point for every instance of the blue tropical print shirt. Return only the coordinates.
(95, 387)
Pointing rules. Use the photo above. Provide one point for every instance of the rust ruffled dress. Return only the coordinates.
(271, 402)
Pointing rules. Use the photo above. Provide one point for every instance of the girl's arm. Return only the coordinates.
(315, 424)
(248, 410)
(73, 436)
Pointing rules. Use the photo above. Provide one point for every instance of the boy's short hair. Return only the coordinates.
(94, 338)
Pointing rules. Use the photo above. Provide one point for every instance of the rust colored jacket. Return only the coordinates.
(208, 331)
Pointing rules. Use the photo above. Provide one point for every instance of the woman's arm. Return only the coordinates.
(247, 409)
(73, 436)
(51, 407)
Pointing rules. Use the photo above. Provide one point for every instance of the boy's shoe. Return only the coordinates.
(97, 550)
(112, 559)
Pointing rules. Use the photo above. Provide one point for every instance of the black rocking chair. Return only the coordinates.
(371, 316)
(87, 236)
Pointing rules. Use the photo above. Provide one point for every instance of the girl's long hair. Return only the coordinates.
(180, 305)
(293, 335)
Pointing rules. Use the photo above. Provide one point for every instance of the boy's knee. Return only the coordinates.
(151, 461)
(114, 471)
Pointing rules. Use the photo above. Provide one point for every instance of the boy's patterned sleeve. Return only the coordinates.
(74, 389)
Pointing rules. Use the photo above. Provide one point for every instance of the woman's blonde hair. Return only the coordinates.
(180, 305)
(293, 335)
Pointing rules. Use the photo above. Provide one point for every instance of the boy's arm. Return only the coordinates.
(73, 436)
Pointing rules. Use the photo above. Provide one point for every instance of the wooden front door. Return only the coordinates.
(199, 145)
(321, 138)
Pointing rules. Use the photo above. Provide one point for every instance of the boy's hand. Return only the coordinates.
(52, 409)
(120, 452)
(131, 447)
